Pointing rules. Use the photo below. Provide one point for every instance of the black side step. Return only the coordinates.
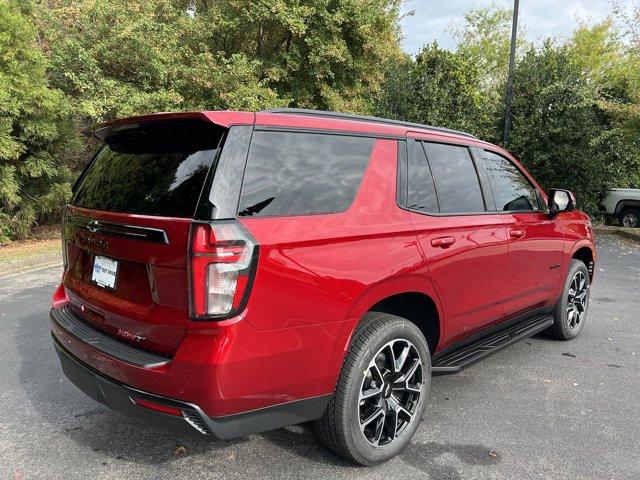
(467, 355)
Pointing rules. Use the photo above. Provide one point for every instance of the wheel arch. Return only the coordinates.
(410, 297)
(626, 204)
(585, 252)
(411, 291)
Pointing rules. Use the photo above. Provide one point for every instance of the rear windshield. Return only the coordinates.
(152, 170)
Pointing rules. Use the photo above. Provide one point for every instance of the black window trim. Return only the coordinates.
(402, 174)
(485, 183)
(403, 168)
(433, 178)
(325, 131)
(539, 195)
(202, 207)
(487, 195)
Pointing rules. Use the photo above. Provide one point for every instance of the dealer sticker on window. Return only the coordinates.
(104, 272)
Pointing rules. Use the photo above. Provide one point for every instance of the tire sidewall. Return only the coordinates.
(630, 212)
(561, 307)
(397, 329)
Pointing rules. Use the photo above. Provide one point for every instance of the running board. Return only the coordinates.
(469, 354)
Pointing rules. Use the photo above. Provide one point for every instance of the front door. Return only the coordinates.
(535, 240)
(465, 245)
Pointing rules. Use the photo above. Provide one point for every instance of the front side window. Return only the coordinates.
(457, 183)
(290, 173)
(511, 189)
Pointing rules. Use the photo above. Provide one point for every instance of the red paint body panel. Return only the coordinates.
(149, 298)
(478, 257)
(316, 276)
(532, 282)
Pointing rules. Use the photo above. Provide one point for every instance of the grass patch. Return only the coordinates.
(43, 239)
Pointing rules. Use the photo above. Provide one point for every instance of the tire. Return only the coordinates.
(572, 307)
(630, 218)
(367, 369)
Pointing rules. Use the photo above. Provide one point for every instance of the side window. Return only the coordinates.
(511, 189)
(421, 193)
(456, 178)
(291, 173)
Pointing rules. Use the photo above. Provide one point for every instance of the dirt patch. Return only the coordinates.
(27, 248)
(43, 248)
(630, 233)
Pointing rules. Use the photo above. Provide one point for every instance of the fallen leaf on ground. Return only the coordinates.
(179, 450)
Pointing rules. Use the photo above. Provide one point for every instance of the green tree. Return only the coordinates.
(439, 88)
(485, 40)
(118, 57)
(559, 129)
(612, 68)
(34, 128)
(316, 53)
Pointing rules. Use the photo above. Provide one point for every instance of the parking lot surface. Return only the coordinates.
(542, 409)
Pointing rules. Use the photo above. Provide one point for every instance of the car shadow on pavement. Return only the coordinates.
(302, 441)
(429, 458)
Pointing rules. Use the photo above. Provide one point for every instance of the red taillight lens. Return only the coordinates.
(221, 265)
(158, 407)
(59, 296)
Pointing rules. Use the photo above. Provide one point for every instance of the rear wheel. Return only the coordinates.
(630, 218)
(381, 392)
(571, 309)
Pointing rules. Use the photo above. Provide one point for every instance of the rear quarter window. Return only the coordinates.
(291, 173)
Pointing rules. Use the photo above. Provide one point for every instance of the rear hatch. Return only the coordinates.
(126, 230)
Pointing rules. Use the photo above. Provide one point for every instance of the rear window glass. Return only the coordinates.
(302, 173)
(421, 193)
(160, 171)
(456, 179)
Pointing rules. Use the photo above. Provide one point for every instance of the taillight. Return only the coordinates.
(224, 256)
(60, 295)
(158, 407)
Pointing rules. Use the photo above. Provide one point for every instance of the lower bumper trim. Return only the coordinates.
(194, 421)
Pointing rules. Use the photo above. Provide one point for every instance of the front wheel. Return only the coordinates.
(381, 393)
(571, 309)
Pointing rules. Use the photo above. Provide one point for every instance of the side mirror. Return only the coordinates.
(561, 201)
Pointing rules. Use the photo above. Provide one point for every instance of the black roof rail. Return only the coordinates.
(363, 118)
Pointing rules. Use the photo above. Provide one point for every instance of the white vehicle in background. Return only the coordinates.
(622, 206)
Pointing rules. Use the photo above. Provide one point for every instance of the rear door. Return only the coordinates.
(464, 244)
(535, 240)
(127, 230)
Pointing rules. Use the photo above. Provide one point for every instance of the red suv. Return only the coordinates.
(232, 272)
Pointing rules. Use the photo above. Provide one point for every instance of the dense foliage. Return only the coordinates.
(35, 132)
(66, 65)
(575, 110)
(438, 87)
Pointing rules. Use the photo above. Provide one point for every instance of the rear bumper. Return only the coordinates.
(192, 420)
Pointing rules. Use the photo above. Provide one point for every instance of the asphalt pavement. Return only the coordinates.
(542, 409)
